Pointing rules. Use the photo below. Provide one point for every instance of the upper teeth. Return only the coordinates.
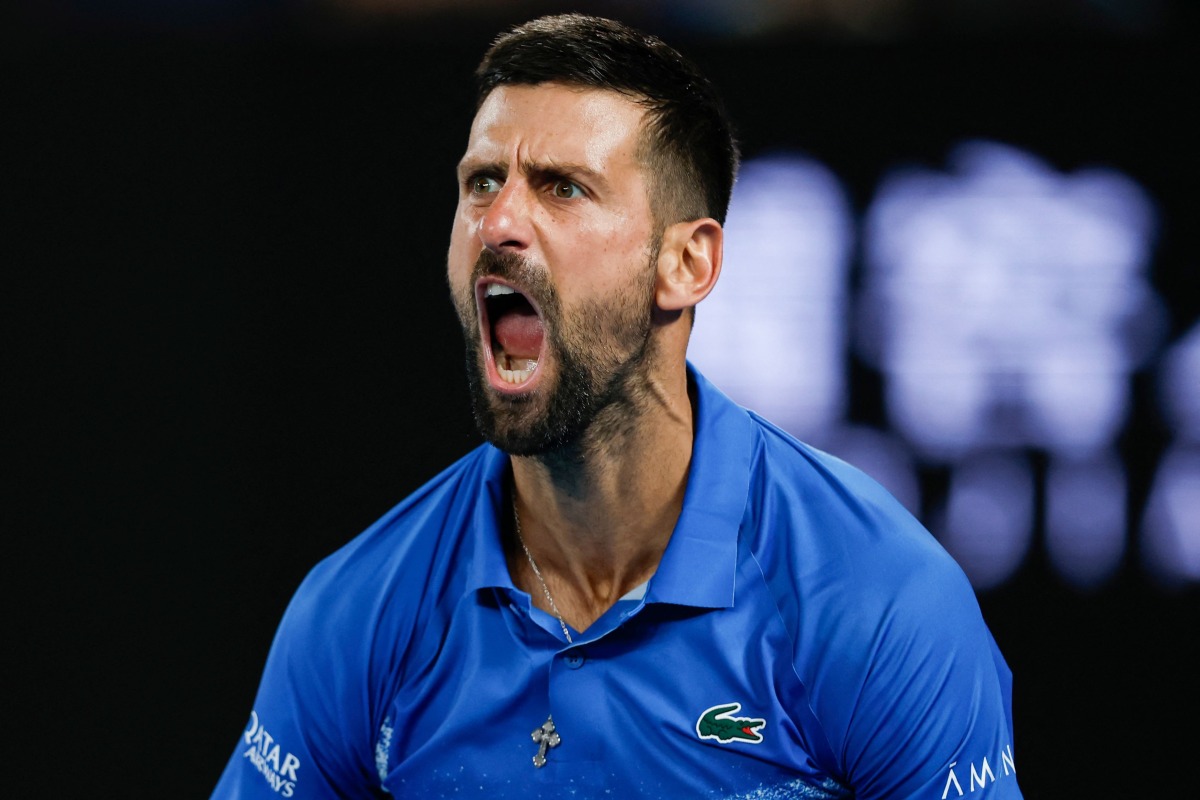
(494, 289)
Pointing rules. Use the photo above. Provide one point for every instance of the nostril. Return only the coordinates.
(504, 244)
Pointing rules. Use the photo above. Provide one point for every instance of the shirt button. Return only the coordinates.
(574, 659)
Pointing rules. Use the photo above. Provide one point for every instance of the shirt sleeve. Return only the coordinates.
(932, 717)
(309, 733)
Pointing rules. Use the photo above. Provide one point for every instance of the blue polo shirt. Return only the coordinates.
(803, 637)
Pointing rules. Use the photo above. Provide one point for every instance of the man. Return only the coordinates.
(637, 588)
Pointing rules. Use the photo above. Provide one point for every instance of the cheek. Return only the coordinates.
(462, 298)
(461, 256)
(460, 262)
(611, 270)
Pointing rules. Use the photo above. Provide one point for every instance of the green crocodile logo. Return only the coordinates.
(719, 723)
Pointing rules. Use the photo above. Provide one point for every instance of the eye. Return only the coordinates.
(565, 189)
(482, 184)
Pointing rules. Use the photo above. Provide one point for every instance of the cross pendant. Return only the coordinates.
(546, 737)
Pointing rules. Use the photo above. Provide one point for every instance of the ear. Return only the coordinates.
(689, 262)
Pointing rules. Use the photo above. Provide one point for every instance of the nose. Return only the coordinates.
(505, 225)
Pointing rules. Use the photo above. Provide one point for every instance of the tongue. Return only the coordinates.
(519, 332)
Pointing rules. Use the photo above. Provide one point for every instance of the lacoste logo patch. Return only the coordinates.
(719, 723)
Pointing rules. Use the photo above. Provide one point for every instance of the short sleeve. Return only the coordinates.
(309, 733)
(933, 717)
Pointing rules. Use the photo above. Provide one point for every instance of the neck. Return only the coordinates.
(597, 516)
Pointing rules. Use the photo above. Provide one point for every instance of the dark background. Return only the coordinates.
(228, 347)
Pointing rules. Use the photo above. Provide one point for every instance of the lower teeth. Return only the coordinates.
(522, 368)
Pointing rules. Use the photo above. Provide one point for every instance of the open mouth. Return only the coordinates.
(512, 332)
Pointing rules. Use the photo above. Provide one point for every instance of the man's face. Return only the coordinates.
(551, 261)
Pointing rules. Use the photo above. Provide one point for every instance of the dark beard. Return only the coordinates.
(597, 361)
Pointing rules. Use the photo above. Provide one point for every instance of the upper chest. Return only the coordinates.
(655, 700)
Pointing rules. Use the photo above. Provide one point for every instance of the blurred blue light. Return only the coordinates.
(987, 523)
(1007, 303)
(1179, 386)
(1006, 306)
(1171, 522)
(772, 334)
(1085, 519)
(1171, 526)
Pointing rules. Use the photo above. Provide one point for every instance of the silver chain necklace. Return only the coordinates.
(545, 736)
(538, 573)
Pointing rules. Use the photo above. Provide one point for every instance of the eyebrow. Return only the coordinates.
(552, 169)
(472, 166)
(536, 170)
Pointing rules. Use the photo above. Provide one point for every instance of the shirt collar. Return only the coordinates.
(699, 566)
(488, 566)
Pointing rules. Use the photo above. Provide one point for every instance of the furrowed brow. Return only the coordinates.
(477, 166)
(553, 170)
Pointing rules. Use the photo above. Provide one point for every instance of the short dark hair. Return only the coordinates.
(688, 141)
